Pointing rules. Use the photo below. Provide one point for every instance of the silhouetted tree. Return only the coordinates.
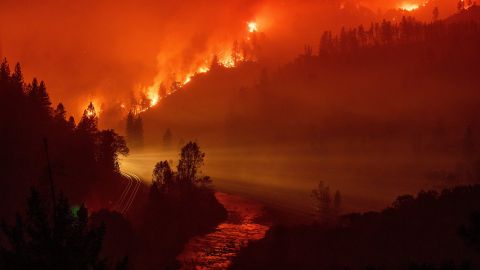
(71, 123)
(32, 90)
(130, 130)
(89, 122)
(191, 159)
(59, 113)
(162, 175)
(326, 43)
(215, 63)
(42, 241)
(435, 14)
(4, 73)
(308, 51)
(323, 203)
(43, 98)
(110, 146)
(179, 206)
(134, 130)
(327, 209)
(86, 135)
(387, 32)
(17, 79)
(76, 151)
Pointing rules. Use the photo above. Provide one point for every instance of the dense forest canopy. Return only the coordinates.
(84, 160)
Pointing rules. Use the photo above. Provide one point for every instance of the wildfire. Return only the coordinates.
(227, 62)
(188, 79)
(90, 113)
(166, 84)
(95, 111)
(409, 7)
(153, 95)
(203, 70)
(252, 27)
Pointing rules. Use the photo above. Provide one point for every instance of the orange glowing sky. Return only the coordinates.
(112, 52)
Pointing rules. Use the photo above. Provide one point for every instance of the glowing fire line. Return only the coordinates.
(150, 95)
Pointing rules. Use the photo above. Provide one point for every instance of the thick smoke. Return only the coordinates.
(107, 51)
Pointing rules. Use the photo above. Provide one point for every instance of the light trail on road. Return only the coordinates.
(128, 195)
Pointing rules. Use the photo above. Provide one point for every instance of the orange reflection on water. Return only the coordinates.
(217, 249)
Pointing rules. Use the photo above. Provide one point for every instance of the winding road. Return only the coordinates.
(129, 193)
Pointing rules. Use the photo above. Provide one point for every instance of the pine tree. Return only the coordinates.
(59, 114)
(4, 73)
(215, 64)
(17, 79)
(89, 122)
(44, 240)
(43, 98)
(110, 146)
(33, 91)
(71, 123)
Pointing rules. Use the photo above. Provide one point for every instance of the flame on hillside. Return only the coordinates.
(409, 6)
(228, 57)
(92, 111)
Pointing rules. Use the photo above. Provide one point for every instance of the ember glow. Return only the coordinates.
(117, 61)
(153, 96)
(228, 57)
(409, 6)
(97, 108)
(252, 27)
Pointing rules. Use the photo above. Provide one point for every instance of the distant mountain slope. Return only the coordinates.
(471, 14)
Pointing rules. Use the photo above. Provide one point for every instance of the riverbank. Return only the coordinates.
(217, 249)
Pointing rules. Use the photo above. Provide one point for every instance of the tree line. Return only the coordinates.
(388, 33)
(81, 155)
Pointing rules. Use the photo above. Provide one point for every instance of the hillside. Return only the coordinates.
(429, 231)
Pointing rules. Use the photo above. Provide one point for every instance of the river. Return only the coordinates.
(217, 249)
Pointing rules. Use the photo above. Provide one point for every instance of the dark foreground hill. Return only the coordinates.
(430, 231)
